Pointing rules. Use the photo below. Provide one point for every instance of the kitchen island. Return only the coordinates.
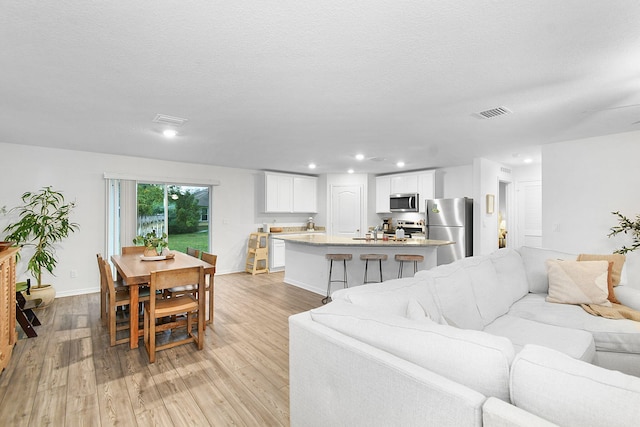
(308, 268)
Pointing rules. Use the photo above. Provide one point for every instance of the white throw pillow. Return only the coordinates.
(512, 278)
(578, 282)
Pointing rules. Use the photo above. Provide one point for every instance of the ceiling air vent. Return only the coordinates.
(169, 120)
(493, 112)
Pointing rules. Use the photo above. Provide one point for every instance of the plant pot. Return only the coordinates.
(149, 252)
(46, 293)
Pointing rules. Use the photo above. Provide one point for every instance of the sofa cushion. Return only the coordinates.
(452, 291)
(489, 294)
(511, 273)
(547, 383)
(578, 282)
(619, 335)
(618, 264)
(473, 358)
(371, 288)
(535, 269)
(573, 342)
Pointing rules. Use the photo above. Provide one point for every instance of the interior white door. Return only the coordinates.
(530, 214)
(346, 210)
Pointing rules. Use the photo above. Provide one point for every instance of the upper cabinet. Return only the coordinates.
(383, 190)
(404, 183)
(305, 198)
(290, 193)
(422, 182)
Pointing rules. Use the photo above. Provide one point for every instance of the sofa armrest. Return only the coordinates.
(628, 296)
(337, 380)
(498, 413)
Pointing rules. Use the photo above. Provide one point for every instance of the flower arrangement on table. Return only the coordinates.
(154, 244)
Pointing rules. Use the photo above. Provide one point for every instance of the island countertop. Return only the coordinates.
(324, 240)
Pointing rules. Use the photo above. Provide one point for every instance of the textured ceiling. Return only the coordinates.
(278, 84)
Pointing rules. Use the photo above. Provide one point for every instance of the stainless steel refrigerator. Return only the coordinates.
(451, 219)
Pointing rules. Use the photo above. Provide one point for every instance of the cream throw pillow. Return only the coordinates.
(578, 282)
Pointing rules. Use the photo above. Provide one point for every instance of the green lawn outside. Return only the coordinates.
(199, 240)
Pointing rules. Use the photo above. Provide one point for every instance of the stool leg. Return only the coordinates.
(415, 267)
(366, 266)
(344, 264)
(380, 265)
(326, 299)
(400, 269)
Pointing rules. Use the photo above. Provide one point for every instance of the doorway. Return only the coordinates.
(506, 218)
(346, 211)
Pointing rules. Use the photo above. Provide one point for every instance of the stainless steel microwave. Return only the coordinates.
(404, 202)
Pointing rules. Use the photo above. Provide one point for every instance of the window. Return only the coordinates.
(176, 210)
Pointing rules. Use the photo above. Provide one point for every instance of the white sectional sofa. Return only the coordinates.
(469, 343)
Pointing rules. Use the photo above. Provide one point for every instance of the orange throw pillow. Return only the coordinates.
(616, 261)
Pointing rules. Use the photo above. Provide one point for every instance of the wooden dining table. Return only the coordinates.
(136, 272)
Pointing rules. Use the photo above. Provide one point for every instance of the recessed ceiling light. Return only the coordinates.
(170, 133)
(400, 164)
(350, 171)
(312, 165)
(528, 160)
(359, 156)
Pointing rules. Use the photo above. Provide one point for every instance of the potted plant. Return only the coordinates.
(154, 244)
(43, 221)
(627, 226)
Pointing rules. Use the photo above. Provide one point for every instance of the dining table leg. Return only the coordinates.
(133, 316)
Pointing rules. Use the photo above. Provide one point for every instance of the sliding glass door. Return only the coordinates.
(181, 211)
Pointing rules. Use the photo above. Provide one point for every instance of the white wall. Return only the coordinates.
(583, 182)
(454, 182)
(79, 175)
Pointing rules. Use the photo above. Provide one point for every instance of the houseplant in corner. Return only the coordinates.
(627, 226)
(43, 221)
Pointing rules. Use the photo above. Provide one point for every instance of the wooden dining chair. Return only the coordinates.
(104, 290)
(117, 299)
(187, 304)
(126, 250)
(210, 259)
(193, 252)
(176, 291)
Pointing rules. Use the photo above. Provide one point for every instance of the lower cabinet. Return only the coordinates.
(276, 252)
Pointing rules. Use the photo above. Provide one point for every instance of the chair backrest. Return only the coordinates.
(193, 252)
(107, 278)
(163, 279)
(103, 284)
(209, 258)
(133, 250)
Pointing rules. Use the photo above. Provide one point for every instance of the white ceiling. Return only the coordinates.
(277, 84)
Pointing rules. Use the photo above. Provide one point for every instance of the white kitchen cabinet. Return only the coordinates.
(421, 182)
(426, 188)
(276, 252)
(383, 190)
(305, 191)
(404, 183)
(290, 193)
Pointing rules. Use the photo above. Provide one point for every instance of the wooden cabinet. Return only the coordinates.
(422, 182)
(277, 251)
(290, 193)
(383, 190)
(305, 197)
(278, 192)
(404, 183)
(8, 334)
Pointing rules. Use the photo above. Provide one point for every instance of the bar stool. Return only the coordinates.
(336, 257)
(372, 257)
(402, 258)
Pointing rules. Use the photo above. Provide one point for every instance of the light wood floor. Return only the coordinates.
(69, 375)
